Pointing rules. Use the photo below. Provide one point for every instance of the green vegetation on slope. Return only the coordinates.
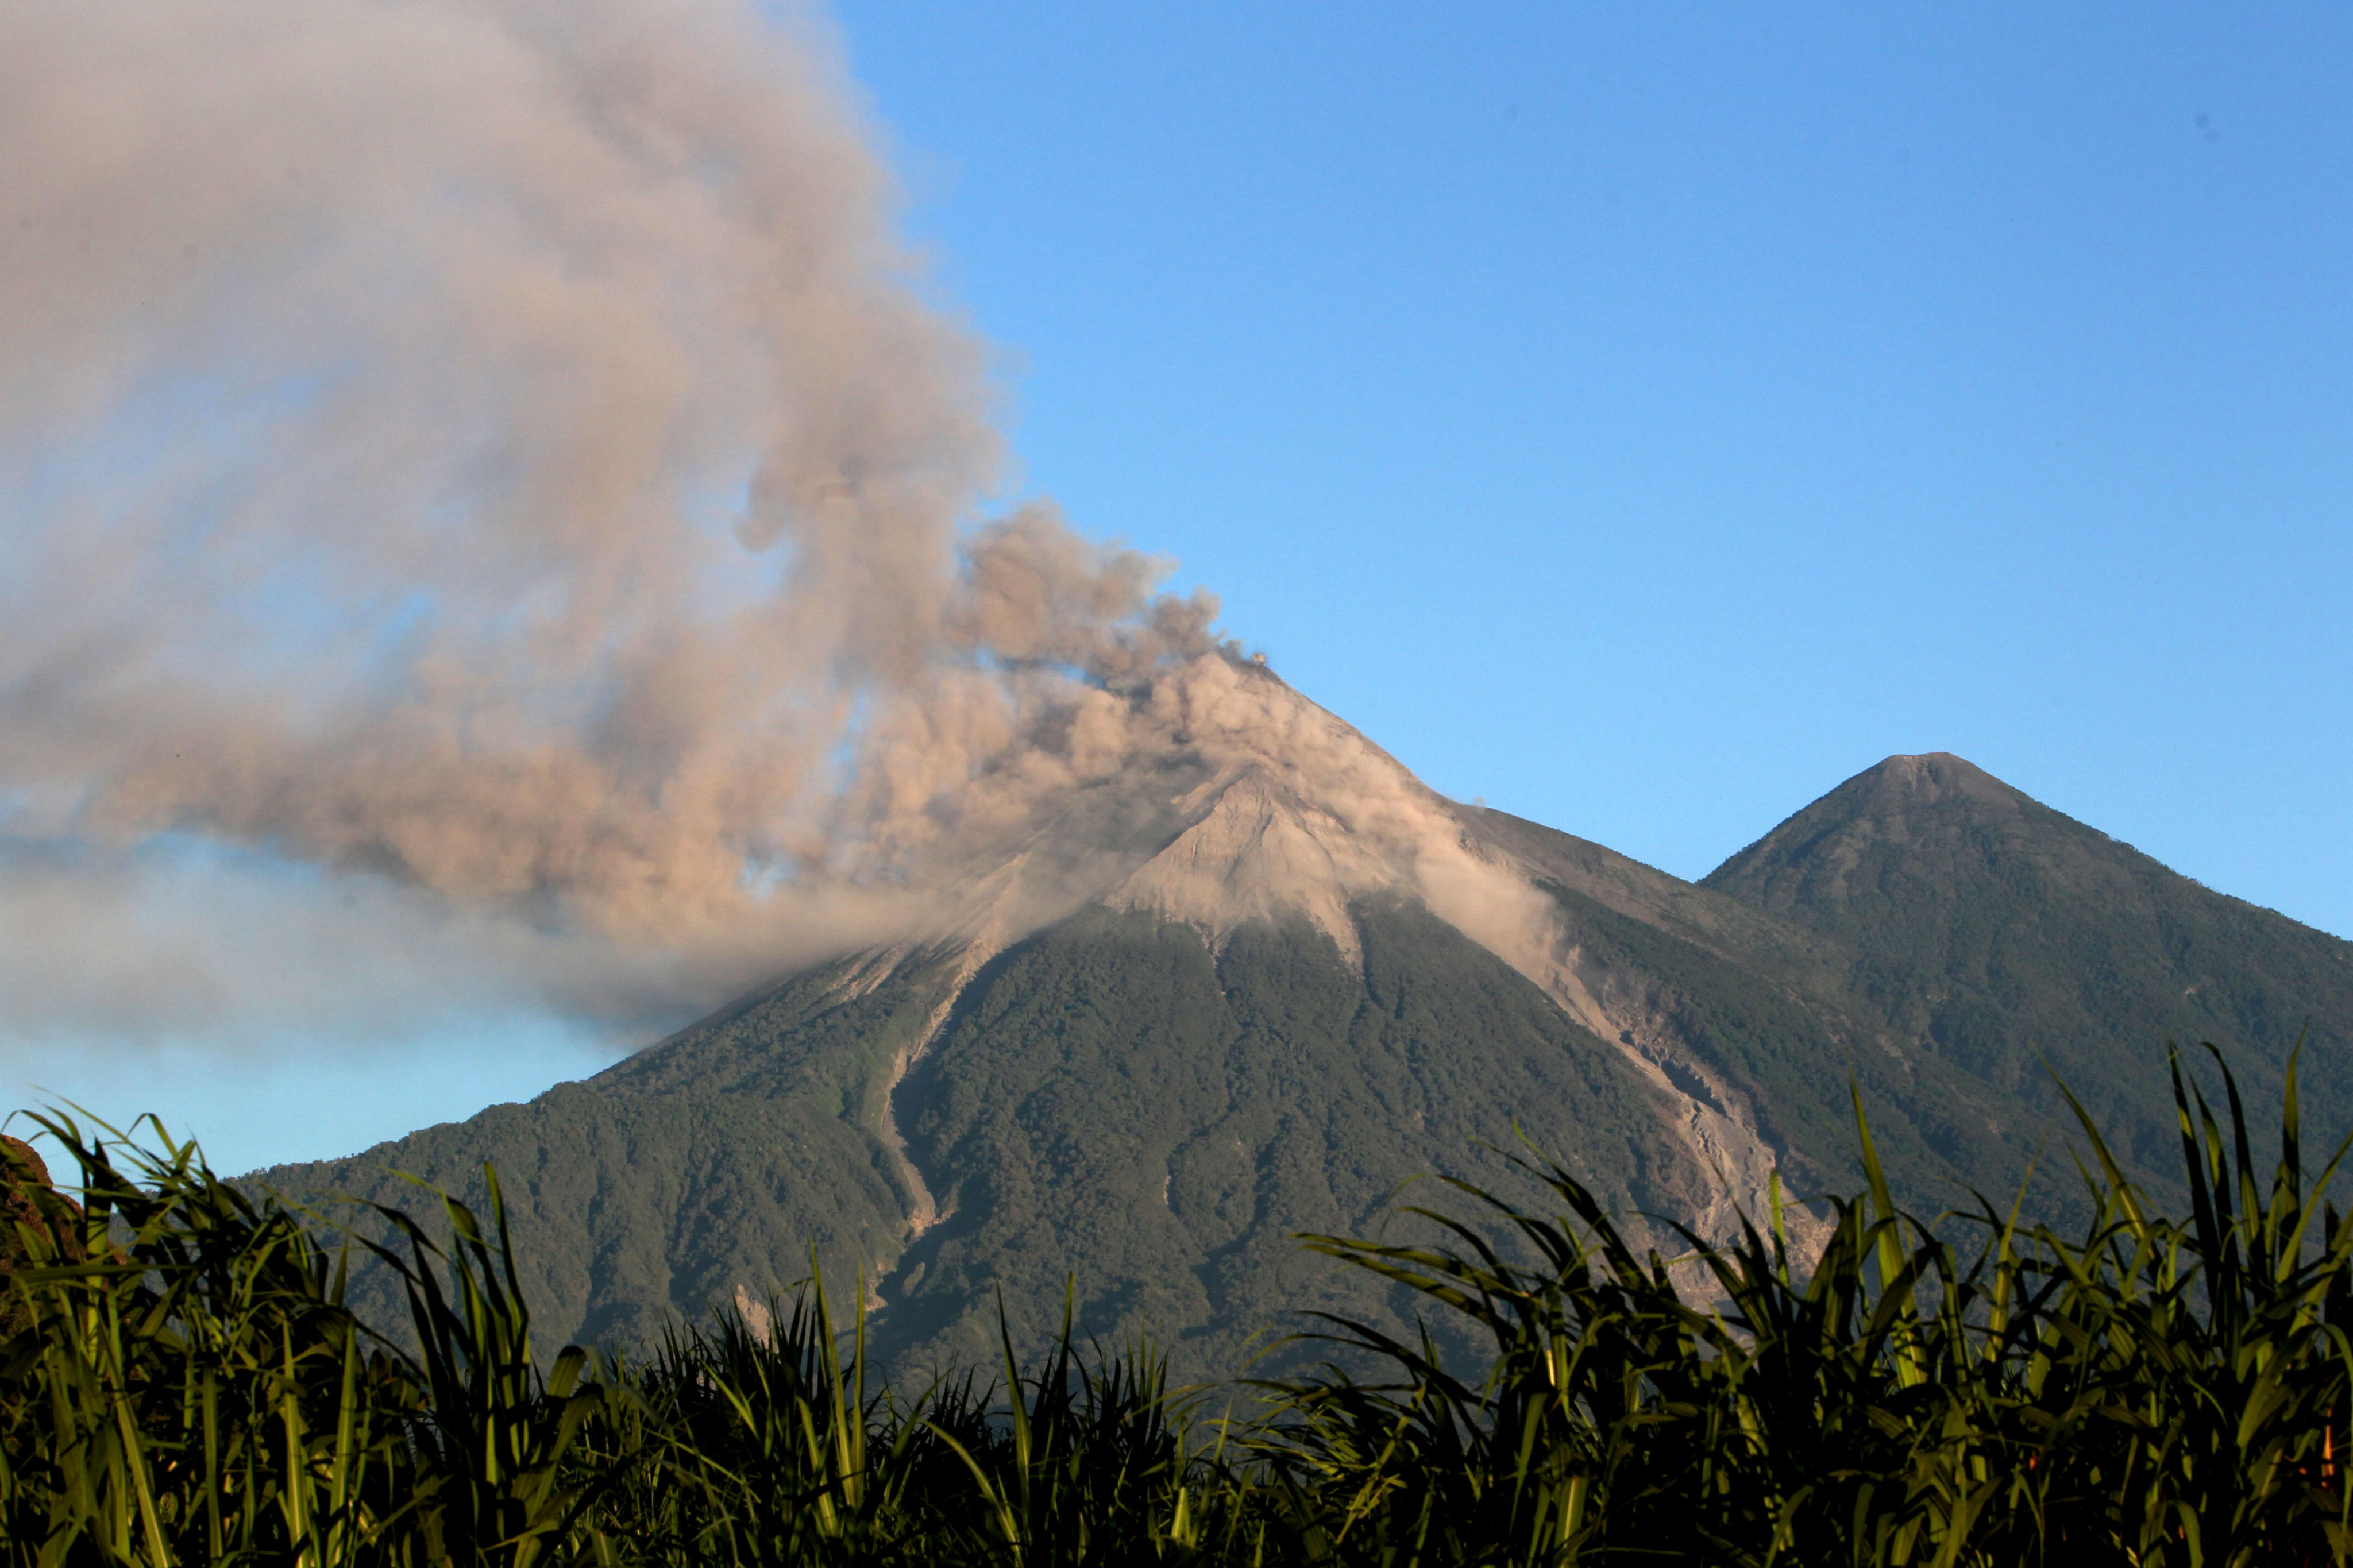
(1790, 1052)
(1109, 1099)
(1113, 1100)
(656, 1190)
(1988, 933)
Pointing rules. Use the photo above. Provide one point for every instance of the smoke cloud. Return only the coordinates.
(498, 454)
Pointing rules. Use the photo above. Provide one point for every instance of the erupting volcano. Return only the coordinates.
(1259, 979)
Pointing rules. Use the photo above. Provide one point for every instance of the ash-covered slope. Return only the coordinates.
(1247, 985)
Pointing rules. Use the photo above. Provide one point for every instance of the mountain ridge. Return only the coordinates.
(1264, 1009)
(1968, 907)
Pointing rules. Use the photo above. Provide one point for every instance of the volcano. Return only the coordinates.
(1262, 980)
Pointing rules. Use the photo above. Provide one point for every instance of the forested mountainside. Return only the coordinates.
(1151, 1110)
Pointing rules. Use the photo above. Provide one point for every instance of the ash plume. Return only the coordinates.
(492, 513)
(501, 448)
(493, 525)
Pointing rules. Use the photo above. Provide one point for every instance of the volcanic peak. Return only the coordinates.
(1261, 852)
(1928, 777)
(1231, 799)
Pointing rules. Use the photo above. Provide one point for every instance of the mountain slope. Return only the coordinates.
(1108, 1097)
(1744, 1010)
(1252, 989)
(1116, 1098)
(1996, 936)
(660, 1185)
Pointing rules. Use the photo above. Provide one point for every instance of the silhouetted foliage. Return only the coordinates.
(185, 1385)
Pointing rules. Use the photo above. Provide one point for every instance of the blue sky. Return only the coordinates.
(1645, 417)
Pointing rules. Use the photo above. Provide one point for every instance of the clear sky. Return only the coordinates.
(1646, 418)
